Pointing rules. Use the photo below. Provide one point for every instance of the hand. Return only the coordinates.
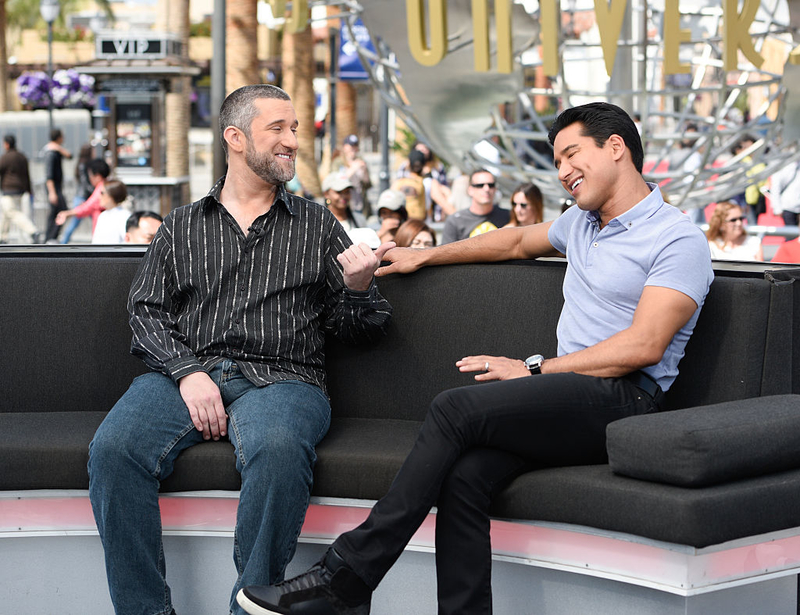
(389, 224)
(360, 262)
(204, 402)
(61, 217)
(403, 260)
(500, 368)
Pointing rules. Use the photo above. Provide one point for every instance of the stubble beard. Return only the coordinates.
(267, 166)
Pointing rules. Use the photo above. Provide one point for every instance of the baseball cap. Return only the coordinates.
(391, 199)
(351, 140)
(335, 182)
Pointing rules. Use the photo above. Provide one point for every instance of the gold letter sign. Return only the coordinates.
(480, 35)
(415, 11)
(736, 34)
(609, 22)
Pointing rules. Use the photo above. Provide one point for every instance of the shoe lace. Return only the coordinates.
(314, 577)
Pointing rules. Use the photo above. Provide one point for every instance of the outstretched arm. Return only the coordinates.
(500, 245)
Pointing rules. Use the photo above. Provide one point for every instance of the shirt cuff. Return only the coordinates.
(183, 366)
(361, 297)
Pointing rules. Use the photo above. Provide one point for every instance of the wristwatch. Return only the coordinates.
(534, 364)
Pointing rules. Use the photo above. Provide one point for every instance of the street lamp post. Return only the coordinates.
(49, 10)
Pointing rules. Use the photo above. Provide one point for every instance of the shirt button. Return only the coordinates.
(595, 244)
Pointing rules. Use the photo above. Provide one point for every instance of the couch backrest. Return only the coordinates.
(65, 336)
(64, 331)
(740, 347)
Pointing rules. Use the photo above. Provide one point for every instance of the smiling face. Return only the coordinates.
(271, 146)
(587, 171)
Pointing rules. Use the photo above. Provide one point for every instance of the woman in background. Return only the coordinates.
(527, 206)
(727, 238)
(415, 234)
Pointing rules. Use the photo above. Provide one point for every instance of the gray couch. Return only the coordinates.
(724, 461)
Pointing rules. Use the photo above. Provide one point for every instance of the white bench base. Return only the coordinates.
(52, 557)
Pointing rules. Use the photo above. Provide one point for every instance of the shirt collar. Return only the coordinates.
(281, 197)
(636, 214)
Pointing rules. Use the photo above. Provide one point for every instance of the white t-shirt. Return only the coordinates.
(110, 226)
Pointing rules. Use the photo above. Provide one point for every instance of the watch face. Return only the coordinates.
(534, 361)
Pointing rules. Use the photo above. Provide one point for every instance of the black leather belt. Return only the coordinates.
(645, 383)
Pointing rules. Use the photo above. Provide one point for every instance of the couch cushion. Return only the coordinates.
(595, 497)
(709, 445)
(46, 450)
(358, 458)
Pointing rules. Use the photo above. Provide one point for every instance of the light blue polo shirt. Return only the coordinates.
(651, 244)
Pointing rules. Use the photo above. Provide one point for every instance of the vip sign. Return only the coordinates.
(430, 49)
(119, 46)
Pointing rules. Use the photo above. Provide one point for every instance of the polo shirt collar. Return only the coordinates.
(281, 197)
(636, 214)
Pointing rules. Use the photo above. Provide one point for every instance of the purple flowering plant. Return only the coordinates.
(69, 88)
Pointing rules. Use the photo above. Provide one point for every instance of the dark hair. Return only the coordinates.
(11, 140)
(56, 134)
(100, 167)
(534, 197)
(116, 190)
(135, 218)
(239, 111)
(408, 230)
(739, 145)
(416, 161)
(84, 156)
(475, 172)
(600, 120)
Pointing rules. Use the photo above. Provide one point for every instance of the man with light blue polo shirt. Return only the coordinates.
(637, 276)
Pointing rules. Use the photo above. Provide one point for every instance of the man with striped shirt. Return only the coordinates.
(229, 309)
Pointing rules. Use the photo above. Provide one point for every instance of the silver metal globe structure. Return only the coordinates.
(507, 116)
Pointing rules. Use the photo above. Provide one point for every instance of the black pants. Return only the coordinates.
(473, 441)
(53, 228)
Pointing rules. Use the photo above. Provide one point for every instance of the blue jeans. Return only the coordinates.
(274, 430)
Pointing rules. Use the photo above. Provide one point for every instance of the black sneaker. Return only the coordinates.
(327, 588)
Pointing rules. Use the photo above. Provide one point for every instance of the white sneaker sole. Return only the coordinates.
(251, 607)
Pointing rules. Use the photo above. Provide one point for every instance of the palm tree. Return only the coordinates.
(298, 78)
(241, 46)
(346, 114)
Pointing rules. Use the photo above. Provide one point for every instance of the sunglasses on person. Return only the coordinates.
(739, 219)
(489, 185)
(522, 204)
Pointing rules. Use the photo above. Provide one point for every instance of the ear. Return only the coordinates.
(617, 145)
(235, 139)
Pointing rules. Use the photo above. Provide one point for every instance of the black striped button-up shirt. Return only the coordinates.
(205, 292)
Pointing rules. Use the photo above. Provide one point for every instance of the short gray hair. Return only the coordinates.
(239, 111)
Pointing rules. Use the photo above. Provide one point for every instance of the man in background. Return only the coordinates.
(482, 216)
(15, 181)
(141, 227)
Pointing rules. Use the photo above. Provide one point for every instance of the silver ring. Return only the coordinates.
(486, 366)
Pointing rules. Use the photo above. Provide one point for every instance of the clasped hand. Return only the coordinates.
(360, 262)
(493, 368)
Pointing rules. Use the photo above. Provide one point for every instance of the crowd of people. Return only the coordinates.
(471, 204)
(98, 196)
(451, 209)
